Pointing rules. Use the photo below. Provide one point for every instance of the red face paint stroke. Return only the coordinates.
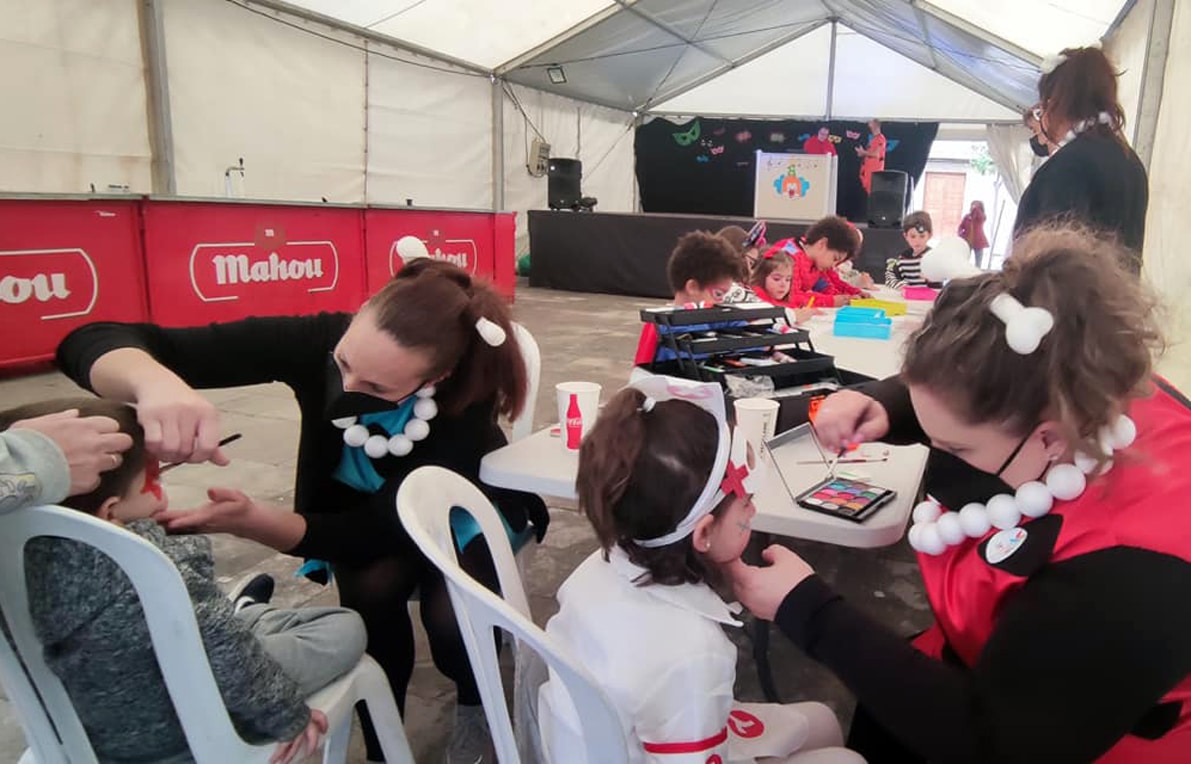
(153, 479)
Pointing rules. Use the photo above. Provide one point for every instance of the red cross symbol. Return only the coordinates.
(734, 480)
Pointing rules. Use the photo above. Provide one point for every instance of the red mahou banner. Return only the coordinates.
(65, 263)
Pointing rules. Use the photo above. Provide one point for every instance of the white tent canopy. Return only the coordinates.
(643, 55)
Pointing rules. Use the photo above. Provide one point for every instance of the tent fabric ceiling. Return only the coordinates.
(637, 55)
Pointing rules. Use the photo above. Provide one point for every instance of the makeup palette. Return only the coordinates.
(843, 497)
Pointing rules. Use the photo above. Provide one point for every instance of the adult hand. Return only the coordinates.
(840, 300)
(762, 590)
(228, 511)
(180, 425)
(305, 743)
(92, 445)
(849, 417)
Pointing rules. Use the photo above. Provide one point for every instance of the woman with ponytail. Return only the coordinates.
(418, 376)
(1092, 177)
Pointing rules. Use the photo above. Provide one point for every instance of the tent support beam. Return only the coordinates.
(279, 6)
(1126, 9)
(670, 30)
(831, 69)
(498, 146)
(557, 40)
(161, 130)
(975, 31)
(930, 48)
(1153, 74)
(675, 92)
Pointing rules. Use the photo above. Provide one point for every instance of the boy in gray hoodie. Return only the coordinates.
(88, 617)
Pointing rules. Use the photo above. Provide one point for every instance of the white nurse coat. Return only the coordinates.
(662, 657)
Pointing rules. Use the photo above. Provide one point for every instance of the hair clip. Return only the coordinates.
(410, 248)
(920, 228)
(756, 235)
(647, 405)
(491, 332)
(1050, 63)
(1024, 327)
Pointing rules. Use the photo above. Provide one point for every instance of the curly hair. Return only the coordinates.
(1099, 353)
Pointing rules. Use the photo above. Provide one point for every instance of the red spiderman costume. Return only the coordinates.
(1075, 646)
(807, 280)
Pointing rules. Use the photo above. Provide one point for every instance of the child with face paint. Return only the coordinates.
(417, 376)
(668, 492)
(88, 616)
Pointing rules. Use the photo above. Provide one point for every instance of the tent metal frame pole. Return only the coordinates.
(498, 145)
(768, 48)
(670, 30)
(279, 6)
(1126, 9)
(831, 70)
(1153, 75)
(558, 39)
(161, 128)
(975, 31)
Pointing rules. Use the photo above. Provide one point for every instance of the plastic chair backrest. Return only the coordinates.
(172, 627)
(532, 355)
(424, 503)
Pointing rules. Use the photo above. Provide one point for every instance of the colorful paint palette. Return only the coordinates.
(846, 498)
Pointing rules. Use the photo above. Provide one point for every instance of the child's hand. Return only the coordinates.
(305, 743)
(802, 315)
(866, 281)
(228, 511)
(840, 300)
(866, 295)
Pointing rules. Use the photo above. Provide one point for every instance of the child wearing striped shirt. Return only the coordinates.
(906, 269)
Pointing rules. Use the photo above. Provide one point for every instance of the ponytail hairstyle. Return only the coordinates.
(767, 265)
(640, 472)
(433, 306)
(115, 482)
(1098, 355)
(1082, 85)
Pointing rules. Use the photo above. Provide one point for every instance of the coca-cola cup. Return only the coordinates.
(578, 406)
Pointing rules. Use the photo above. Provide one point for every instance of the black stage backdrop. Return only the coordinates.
(705, 166)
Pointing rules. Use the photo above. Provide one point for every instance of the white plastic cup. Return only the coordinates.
(756, 418)
(587, 396)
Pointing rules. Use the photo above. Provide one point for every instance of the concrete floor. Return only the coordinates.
(588, 337)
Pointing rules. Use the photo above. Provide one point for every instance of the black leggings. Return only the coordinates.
(380, 593)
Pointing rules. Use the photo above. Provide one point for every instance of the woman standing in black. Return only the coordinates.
(416, 377)
(1092, 176)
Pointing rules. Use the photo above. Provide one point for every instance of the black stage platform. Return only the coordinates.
(626, 253)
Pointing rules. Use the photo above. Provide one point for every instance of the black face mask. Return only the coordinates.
(1038, 147)
(341, 403)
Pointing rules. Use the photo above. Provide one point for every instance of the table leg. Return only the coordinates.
(760, 628)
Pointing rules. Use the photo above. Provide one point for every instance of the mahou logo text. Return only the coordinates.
(47, 284)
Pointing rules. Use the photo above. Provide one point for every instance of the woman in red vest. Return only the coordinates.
(1063, 602)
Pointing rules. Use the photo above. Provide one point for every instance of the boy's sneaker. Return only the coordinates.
(470, 743)
(253, 590)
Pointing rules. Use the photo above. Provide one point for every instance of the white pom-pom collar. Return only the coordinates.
(934, 530)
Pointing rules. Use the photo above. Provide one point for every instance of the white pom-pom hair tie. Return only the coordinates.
(491, 332)
(1024, 327)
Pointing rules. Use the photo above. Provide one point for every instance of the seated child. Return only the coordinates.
(906, 269)
(847, 270)
(702, 269)
(669, 495)
(88, 617)
(748, 245)
(825, 245)
(771, 283)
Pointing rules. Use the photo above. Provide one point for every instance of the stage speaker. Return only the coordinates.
(888, 198)
(562, 185)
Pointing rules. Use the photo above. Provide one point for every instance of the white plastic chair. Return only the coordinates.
(424, 503)
(52, 728)
(532, 354)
